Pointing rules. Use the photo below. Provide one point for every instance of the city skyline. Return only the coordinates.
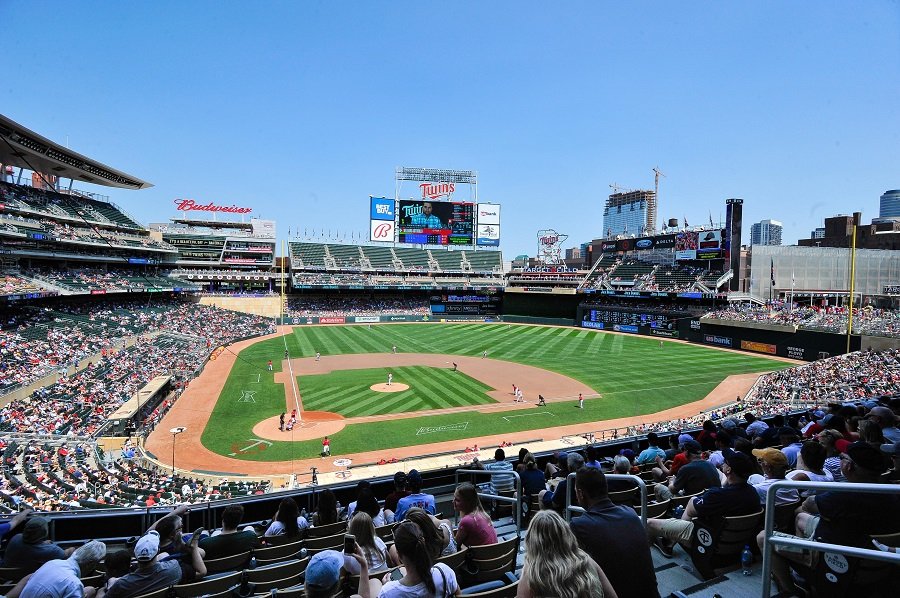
(303, 111)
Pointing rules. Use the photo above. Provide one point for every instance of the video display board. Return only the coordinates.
(698, 245)
(435, 222)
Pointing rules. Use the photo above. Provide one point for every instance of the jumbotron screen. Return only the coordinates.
(436, 222)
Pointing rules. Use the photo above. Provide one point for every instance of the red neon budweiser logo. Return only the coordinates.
(191, 205)
(435, 190)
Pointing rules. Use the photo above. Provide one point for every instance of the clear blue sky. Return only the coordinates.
(302, 110)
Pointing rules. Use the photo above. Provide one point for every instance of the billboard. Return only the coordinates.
(436, 223)
(488, 213)
(488, 225)
(686, 245)
(381, 230)
(382, 208)
(709, 245)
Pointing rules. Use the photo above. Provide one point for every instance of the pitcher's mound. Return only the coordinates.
(315, 424)
(395, 387)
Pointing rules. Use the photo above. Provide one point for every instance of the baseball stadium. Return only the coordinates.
(173, 374)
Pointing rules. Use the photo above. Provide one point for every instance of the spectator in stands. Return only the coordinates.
(172, 541)
(810, 466)
(621, 466)
(59, 578)
(607, 532)
(829, 439)
(707, 436)
(152, 573)
(774, 465)
(475, 526)
(649, 454)
(326, 510)
(893, 451)
(590, 457)
(32, 548)
(723, 441)
(844, 518)
(390, 502)
(693, 477)
(422, 577)
(736, 497)
(230, 540)
(886, 420)
(417, 498)
(323, 575)
(664, 469)
(501, 483)
(16, 521)
(556, 566)
(438, 533)
(742, 445)
(755, 426)
(560, 469)
(367, 503)
(373, 548)
(532, 477)
(556, 498)
(791, 445)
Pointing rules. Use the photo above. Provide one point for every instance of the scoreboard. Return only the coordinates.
(623, 319)
(436, 223)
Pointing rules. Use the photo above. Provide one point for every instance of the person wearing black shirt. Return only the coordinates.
(736, 497)
(614, 537)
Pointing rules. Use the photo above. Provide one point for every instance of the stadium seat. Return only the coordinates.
(785, 516)
(314, 545)
(234, 562)
(656, 510)
(275, 554)
(455, 560)
(625, 497)
(168, 592)
(508, 590)
(283, 575)
(326, 530)
(489, 562)
(209, 586)
(720, 541)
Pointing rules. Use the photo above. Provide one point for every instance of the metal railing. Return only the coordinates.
(852, 551)
(642, 486)
(515, 500)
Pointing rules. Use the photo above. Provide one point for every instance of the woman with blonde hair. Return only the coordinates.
(373, 547)
(556, 566)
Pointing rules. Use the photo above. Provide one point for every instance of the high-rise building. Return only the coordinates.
(766, 232)
(818, 233)
(890, 204)
(629, 213)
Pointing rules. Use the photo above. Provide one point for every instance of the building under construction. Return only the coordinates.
(630, 212)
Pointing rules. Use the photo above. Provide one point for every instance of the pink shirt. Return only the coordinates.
(476, 530)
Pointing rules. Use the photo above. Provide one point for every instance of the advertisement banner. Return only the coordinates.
(332, 320)
(709, 245)
(713, 339)
(625, 328)
(608, 246)
(366, 319)
(665, 333)
(589, 324)
(759, 347)
(381, 230)
(488, 235)
(382, 208)
(686, 246)
(488, 213)
(643, 243)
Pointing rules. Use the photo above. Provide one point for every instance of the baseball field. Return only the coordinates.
(344, 392)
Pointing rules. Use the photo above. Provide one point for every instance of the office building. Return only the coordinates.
(890, 204)
(629, 213)
(766, 232)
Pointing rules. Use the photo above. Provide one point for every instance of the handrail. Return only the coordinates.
(772, 541)
(516, 500)
(570, 483)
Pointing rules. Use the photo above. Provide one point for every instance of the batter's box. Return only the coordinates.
(446, 428)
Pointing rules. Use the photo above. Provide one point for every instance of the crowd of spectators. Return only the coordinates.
(867, 320)
(13, 284)
(307, 306)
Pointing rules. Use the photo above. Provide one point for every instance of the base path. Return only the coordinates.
(193, 409)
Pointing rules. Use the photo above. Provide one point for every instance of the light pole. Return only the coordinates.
(175, 432)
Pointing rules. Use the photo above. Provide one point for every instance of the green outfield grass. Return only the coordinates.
(634, 374)
(347, 391)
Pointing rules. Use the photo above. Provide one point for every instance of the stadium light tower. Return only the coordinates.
(175, 432)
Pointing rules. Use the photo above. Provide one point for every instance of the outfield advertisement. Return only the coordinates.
(358, 319)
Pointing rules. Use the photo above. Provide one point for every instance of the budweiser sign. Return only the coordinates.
(435, 190)
(189, 205)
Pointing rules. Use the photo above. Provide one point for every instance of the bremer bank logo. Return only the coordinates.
(383, 232)
(435, 190)
(189, 205)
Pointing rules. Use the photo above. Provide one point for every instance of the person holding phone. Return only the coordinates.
(323, 574)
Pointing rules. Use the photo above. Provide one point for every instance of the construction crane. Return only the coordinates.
(617, 188)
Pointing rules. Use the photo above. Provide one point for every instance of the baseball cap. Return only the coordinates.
(682, 438)
(818, 414)
(739, 463)
(729, 424)
(692, 446)
(772, 456)
(826, 419)
(562, 456)
(842, 444)
(36, 530)
(324, 569)
(866, 456)
(400, 478)
(627, 453)
(414, 477)
(882, 412)
(147, 547)
(891, 449)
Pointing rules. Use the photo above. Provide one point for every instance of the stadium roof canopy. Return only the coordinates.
(26, 149)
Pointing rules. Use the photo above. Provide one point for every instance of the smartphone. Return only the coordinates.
(396, 574)
(349, 543)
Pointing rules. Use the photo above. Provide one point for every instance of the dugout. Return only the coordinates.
(135, 410)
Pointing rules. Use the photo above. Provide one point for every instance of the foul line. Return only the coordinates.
(294, 388)
(508, 417)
